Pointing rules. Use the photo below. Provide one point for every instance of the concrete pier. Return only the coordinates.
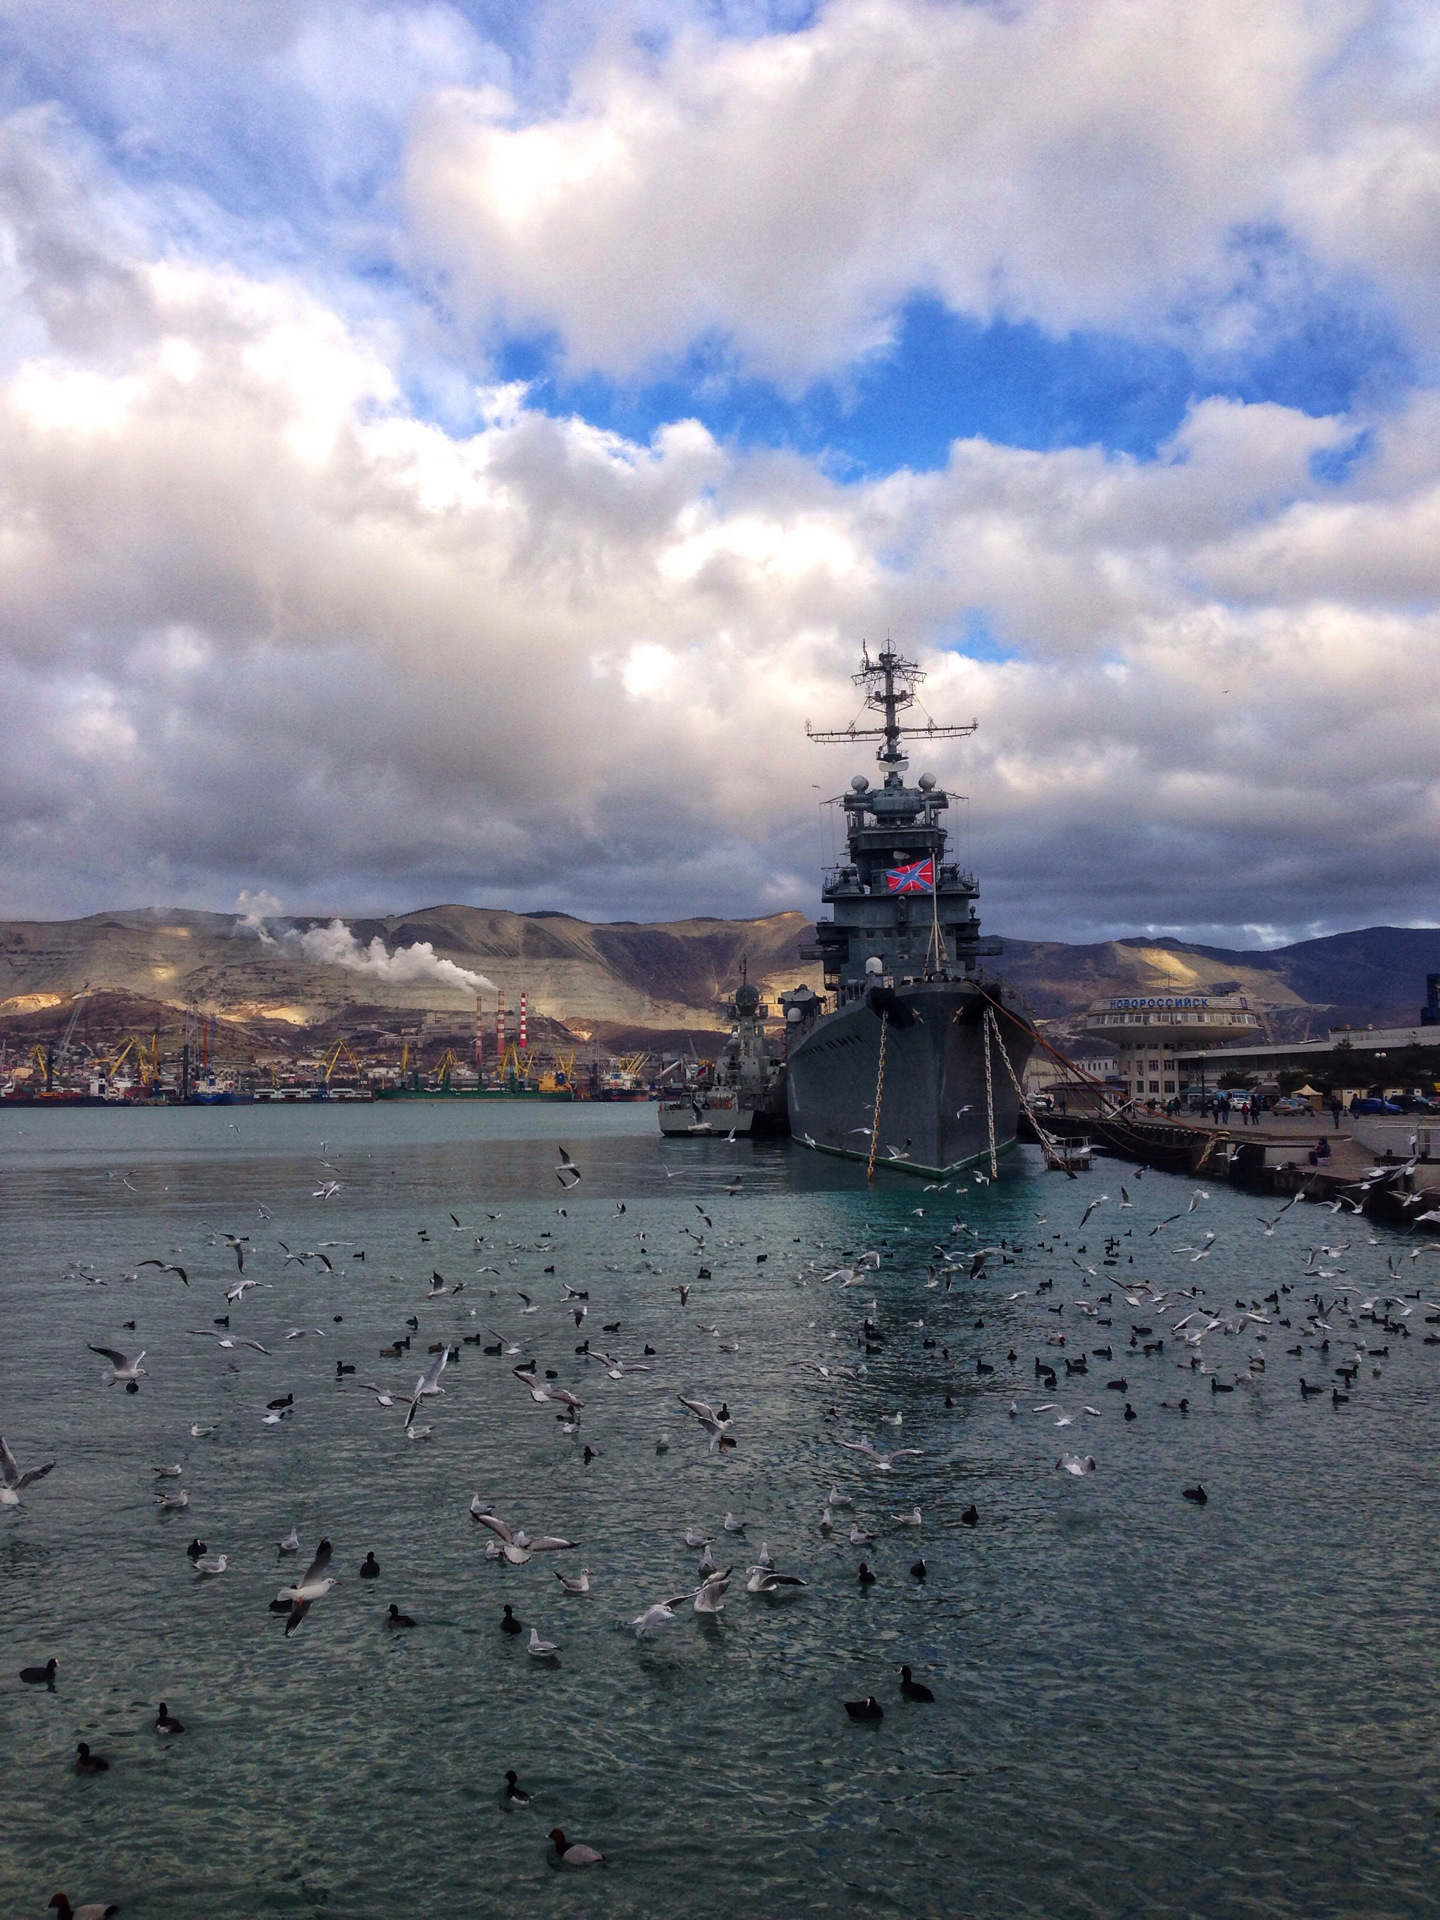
(1272, 1158)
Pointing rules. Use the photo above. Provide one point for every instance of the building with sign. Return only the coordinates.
(1148, 1031)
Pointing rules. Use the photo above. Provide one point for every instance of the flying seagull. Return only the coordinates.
(314, 1586)
(15, 1482)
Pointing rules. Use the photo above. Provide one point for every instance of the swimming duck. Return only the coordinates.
(867, 1709)
(575, 1853)
(41, 1676)
(509, 1624)
(396, 1618)
(913, 1689)
(92, 1910)
(514, 1792)
(865, 1576)
(88, 1762)
(1196, 1493)
(165, 1722)
(370, 1567)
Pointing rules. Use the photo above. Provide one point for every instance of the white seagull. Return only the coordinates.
(306, 1591)
(428, 1383)
(14, 1481)
(121, 1368)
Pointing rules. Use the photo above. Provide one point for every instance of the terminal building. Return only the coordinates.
(1150, 1031)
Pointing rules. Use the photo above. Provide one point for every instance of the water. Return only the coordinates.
(1142, 1706)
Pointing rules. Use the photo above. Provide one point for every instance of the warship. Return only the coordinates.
(742, 1093)
(913, 1059)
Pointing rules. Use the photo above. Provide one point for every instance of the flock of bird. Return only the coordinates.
(1151, 1326)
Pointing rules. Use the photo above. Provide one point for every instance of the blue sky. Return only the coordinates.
(665, 351)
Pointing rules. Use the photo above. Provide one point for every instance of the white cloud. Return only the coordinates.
(263, 628)
(1078, 162)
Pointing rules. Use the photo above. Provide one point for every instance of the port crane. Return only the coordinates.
(57, 1062)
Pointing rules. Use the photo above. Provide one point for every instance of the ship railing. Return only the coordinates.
(840, 880)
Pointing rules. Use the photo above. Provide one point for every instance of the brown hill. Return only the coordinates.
(622, 984)
(628, 978)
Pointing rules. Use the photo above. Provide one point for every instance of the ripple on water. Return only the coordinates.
(1143, 1707)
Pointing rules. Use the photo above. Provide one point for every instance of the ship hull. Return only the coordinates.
(934, 1108)
(712, 1117)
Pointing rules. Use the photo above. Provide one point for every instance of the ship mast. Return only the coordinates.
(889, 682)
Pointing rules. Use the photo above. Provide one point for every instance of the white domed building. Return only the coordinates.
(1148, 1030)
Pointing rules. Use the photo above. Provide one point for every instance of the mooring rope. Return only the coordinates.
(879, 1089)
(990, 1094)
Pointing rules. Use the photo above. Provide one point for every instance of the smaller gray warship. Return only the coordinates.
(743, 1092)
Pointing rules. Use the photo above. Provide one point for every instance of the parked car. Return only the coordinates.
(1292, 1105)
(1375, 1106)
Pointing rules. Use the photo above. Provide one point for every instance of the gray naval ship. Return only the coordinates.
(914, 1057)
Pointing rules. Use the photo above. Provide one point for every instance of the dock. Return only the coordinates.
(1272, 1158)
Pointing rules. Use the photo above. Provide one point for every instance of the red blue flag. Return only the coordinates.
(918, 878)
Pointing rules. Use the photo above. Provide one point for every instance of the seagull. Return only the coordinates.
(212, 1563)
(882, 1462)
(732, 1525)
(239, 1291)
(314, 1586)
(170, 1501)
(567, 1173)
(14, 1481)
(1092, 1206)
(662, 1614)
(121, 1367)
(539, 1649)
(291, 1542)
(717, 1425)
(515, 1544)
(228, 1341)
(540, 1391)
(859, 1537)
(767, 1580)
(428, 1383)
(164, 1267)
(580, 1585)
(1074, 1463)
(710, 1594)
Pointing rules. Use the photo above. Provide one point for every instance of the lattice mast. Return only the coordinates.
(889, 682)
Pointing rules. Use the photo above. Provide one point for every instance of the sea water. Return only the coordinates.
(1143, 1706)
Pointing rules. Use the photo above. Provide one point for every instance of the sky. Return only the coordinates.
(448, 451)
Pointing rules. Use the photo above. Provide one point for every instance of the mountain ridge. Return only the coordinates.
(649, 975)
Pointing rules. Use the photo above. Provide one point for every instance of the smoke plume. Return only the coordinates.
(336, 946)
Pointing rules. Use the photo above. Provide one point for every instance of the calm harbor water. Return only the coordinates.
(1143, 1706)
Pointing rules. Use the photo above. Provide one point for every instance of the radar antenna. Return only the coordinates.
(889, 682)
